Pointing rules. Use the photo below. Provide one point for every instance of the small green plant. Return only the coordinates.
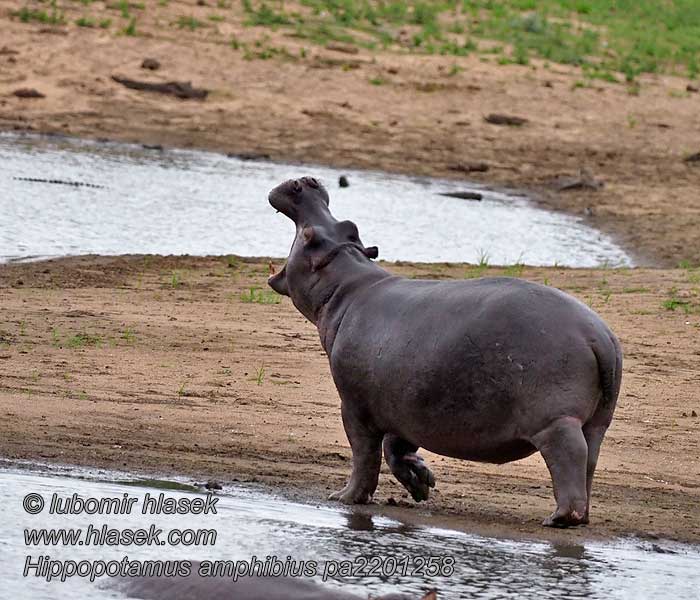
(130, 29)
(123, 7)
(516, 269)
(483, 258)
(83, 339)
(175, 279)
(233, 262)
(128, 335)
(260, 375)
(27, 15)
(377, 81)
(265, 16)
(260, 296)
(181, 390)
(189, 23)
(455, 69)
(85, 22)
(674, 303)
(105, 23)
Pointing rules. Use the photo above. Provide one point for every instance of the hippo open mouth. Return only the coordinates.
(295, 194)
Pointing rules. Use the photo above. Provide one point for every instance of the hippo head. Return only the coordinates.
(300, 198)
(320, 243)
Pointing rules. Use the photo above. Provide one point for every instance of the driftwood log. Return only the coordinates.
(179, 89)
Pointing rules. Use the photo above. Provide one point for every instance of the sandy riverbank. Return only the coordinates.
(372, 109)
(158, 365)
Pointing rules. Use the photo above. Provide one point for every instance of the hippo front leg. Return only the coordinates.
(366, 444)
(408, 467)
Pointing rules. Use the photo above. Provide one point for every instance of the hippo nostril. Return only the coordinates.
(296, 187)
(313, 182)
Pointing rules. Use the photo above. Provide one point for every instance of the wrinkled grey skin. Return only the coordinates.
(195, 587)
(488, 370)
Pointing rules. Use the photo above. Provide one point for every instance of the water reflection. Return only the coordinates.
(251, 523)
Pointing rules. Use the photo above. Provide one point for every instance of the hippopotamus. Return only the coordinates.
(491, 369)
(245, 588)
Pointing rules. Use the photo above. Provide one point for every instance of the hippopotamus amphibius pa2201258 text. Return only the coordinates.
(489, 370)
(197, 587)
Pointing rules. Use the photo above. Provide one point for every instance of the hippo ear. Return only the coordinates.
(278, 282)
(431, 595)
(371, 252)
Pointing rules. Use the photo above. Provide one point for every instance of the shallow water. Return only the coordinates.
(189, 202)
(251, 523)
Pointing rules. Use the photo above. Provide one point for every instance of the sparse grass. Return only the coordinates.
(82, 339)
(260, 375)
(260, 296)
(187, 22)
(629, 37)
(516, 269)
(674, 302)
(483, 258)
(85, 22)
(128, 335)
(130, 29)
(123, 7)
(52, 17)
(175, 279)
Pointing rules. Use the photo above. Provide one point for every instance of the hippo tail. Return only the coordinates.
(608, 353)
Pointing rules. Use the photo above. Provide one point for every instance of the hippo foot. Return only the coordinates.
(351, 495)
(562, 519)
(413, 474)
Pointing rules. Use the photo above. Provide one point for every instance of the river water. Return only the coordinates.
(191, 202)
(250, 522)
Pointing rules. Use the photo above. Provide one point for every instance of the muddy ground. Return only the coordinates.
(373, 109)
(159, 365)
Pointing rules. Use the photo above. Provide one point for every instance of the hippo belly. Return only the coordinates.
(468, 369)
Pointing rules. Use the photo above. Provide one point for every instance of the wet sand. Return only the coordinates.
(157, 365)
(316, 105)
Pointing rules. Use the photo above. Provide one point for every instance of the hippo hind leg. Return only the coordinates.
(593, 434)
(565, 451)
(408, 467)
